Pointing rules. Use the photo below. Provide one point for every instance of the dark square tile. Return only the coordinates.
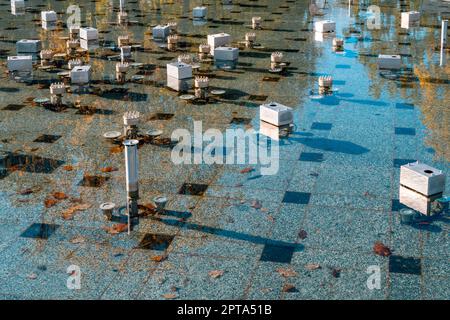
(296, 197)
(47, 138)
(14, 107)
(260, 98)
(158, 242)
(93, 181)
(162, 116)
(399, 264)
(193, 189)
(277, 253)
(400, 162)
(321, 126)
(311, 156)
(39, 231)
(237, 120)
(405, 131)
(404, 106)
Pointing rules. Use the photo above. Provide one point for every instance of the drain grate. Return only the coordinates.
(162, 116)
(47, 138)
(399, 264)
(260, 98)
(93, 181)
(39, 231)
(277, 253)
(296, 197)
(193, 189)
(14, 107)
(158, 242)
(311, 157)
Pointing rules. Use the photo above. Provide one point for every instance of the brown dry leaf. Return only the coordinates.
(49, 202)
(270, 218)
(77, 240)
(256, 204)
(215, 273)
(289, 288)
(68, 168)
(313, 266)
(69, 213)
(117, 228)
(247, 170)
(59, 195)
(25, 192)
(108, 169)
(380, 249)
(115, 150)
(288, 272)
(158, 258)
(170, 296)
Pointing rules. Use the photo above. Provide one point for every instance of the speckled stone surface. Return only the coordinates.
(306, 232)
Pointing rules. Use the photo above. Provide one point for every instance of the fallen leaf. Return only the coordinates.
(69, 213)
(170, 296)
(215, 273)
(108, 169)
(380, 249)
(68, 168)
(25, 192)
(117, 228)
(302, 234)
(335, 272)
(270, 218)
(77, 240)
(49, 202)
(312, 266)
(158, 258)
(289, 288)
(59, 195)
(288, 272)
(115, 149)
(256, 204)
(247, 170)
(32, 276)
(264, 210)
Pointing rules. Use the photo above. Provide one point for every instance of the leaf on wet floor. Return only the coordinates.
(170, 296)
(302, 234)
(48, 203)
(289, 288)
(287, 272)
(117, 228)
(108, 169)
(380, 249)
(77, 240)
(256, 204)
(69, 213)
(247, 170)
(312, 266)
(59, 195)
(68, 168)
(160, 258)
(216, 273)
(25, 191)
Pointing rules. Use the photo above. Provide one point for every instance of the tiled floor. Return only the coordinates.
(227, 232)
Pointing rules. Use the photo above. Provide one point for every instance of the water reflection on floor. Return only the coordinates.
(335, 195)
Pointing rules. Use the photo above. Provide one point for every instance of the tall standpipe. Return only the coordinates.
(132, 176)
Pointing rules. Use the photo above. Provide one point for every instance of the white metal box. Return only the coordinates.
(276, 114)
(179, 70)
(386, 61)
(89, 44)
(48, 16)
(417, 201)
(28, 46)
(409, 18)
(17, 7)
(422, 178)
(182, 85)
(325, 26)
(218, 40)
(161, 32)
(125, 51)
(226, 53)
(88, 33)
(80, 74)
(199, 12)
(20, 63)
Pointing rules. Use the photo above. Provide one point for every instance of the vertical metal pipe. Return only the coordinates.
(132, 177)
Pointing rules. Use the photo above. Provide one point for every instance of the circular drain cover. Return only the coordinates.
(218, 92)
(41, 100)
(187, 97)
(112, 134)
(316, 97)
(107, 206)
(154, 133)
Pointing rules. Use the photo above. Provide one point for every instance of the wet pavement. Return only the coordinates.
(311, 227)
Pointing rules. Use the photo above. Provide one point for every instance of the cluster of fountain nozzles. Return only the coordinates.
(325, 84)
(56, 92)
(201, 87)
